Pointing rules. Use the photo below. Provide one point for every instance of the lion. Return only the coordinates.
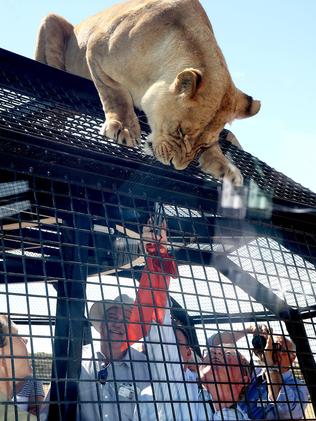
(159, 56)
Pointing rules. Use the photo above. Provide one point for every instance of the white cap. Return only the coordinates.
(99, 308)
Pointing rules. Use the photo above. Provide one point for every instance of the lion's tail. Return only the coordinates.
(52, 37)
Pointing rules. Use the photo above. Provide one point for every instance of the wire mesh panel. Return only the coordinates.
(141, 291)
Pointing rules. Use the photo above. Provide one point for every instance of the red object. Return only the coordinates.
(151, 296)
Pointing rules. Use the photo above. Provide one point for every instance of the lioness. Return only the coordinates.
(160, 56)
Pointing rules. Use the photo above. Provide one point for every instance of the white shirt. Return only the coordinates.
(109, 401)
(174, 394)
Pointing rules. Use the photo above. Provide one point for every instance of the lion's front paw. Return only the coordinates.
(223, 170)
(233, 175)
(123, 134)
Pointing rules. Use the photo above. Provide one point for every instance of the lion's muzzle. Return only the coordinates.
(177, 156)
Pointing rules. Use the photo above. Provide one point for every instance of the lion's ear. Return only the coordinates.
(187, 82)
(246, 106)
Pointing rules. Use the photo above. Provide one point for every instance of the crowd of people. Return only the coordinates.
(165, 379)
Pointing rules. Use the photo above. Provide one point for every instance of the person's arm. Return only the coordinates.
(273, 374)
(274, 383)
(166, 370)
(224, 337)
(37, 398)
(288, 399)
(35, 408)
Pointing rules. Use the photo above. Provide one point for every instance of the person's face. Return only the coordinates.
(184, 349)
(113, 330)
(222, 374)
(283, 353)
(224, 363)
(14, 358)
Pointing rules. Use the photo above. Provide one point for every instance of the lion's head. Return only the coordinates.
(188, 114)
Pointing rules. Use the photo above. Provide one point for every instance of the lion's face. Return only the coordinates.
(185, 120)
(179, 138)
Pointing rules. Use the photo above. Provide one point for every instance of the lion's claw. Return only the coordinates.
(121, 133)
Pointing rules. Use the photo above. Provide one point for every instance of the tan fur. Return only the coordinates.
(162, 57)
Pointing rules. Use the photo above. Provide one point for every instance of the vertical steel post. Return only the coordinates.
(69, 321)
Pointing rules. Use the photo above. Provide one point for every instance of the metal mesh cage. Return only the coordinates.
(73, 210)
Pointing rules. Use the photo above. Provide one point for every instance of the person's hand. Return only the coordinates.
(259, 329)
(149, 234)
(251, 328)
(206, 371)
(265, 331)
(268, 352)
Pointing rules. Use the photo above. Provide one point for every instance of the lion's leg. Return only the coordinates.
(212, 161)
(233, 139)
(52, 36)
(121, 123)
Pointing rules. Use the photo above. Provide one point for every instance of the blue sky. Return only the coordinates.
(270, 50)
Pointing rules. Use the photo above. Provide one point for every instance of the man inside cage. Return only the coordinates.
(274, 391)
(15, 367)
(177, 391)
(225, 374)
(110, 381)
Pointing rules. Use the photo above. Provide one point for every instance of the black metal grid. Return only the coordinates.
(73, 207)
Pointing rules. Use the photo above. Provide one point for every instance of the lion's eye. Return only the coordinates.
(181, 132)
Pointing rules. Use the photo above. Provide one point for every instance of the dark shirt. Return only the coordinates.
(290, 404)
